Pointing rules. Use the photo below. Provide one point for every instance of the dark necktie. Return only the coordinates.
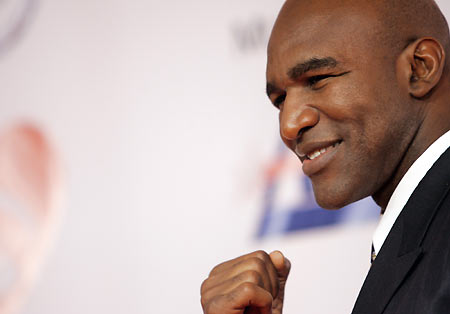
(373, 255)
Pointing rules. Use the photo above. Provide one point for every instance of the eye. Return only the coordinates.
(313, 80)
(279, 101)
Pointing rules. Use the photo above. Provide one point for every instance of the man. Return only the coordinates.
(363, 92)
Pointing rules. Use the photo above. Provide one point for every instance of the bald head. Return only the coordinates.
(396, 23)
(405, 21)
(367, 80)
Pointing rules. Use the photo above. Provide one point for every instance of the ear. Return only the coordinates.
(420, 66)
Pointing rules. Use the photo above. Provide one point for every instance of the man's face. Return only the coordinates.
(342, 110)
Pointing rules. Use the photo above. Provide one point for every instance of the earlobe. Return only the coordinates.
(421, 65)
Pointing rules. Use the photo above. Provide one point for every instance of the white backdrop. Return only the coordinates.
(159, 110)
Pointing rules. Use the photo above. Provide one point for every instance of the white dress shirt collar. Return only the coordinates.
(406, 187)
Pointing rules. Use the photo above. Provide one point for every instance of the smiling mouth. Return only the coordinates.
(318, 152)
(319, 157)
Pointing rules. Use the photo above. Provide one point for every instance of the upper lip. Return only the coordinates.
(304, 149)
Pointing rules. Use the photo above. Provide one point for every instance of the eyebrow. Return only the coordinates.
(312, 64)
(304, 67)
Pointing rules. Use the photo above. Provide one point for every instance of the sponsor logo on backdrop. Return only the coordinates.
(251, 35)
(14, 17)
(289, 205)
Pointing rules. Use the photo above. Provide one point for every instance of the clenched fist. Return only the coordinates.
(250, 284)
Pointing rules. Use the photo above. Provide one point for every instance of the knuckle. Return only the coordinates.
(257, 264)
(261, 255)
(218, 268)
(215, 269)
(248, 288)
(204, 286)
(252, 276)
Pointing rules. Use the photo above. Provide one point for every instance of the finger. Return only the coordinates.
(283, 267)
(225, 287)
(252, 268)
(252, 296)
(265, 269)
(281, 264)
(229, 264)
(245, 296)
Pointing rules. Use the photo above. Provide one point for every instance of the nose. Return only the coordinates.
(295, 118)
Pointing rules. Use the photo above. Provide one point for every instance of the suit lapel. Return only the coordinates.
(386, 274)
(402, 248)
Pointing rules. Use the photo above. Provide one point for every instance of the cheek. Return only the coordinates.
(344, 99)
(374, 132)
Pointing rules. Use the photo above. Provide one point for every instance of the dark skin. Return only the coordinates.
(357, 110)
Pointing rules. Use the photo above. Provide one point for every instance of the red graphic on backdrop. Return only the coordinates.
(30, 201)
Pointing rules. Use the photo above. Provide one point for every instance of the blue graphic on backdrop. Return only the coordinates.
(285, 212)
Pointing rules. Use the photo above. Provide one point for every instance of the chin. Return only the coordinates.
(330, 204)
(333, 199)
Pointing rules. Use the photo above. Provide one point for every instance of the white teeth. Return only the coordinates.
(314, 155)
(317, 153)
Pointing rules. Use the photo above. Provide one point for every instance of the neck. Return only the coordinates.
(433, 127)
(383, 195)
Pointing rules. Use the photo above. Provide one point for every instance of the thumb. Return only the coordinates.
(282, 265)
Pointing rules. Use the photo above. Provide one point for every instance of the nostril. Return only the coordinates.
(301, 131)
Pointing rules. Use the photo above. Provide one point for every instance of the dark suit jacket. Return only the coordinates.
(411, 274)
